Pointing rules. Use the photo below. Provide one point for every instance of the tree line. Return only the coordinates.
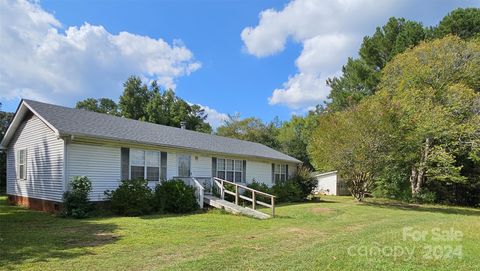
(402, 120)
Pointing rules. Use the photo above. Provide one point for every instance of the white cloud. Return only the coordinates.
(320, 58)
(329, 31)
(42, 60)
(214, 117)
(327, 51)
(300, 90)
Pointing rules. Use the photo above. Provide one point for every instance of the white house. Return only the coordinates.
(329, 183)
(47, 145)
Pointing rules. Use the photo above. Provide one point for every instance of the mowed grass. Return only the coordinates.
(332, 234)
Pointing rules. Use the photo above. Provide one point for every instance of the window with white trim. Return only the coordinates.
(230, 170)
(145, 165)
(280, 173)
(22, 164)
(152, 164)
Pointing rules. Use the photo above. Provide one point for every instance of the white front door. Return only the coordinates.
(184, 165)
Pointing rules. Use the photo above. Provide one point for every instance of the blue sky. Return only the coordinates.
(205, 49)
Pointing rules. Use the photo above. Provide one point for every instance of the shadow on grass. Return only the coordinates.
(425, 208)
(171, 215)
(28, 236)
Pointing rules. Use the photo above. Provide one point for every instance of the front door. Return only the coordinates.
(184, 165)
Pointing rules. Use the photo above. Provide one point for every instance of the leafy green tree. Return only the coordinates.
(358, 80)
(421, 128)
(361, 76)
(102, 105)
(140, 102)
(352, 143)
(196, 120)
(464, 23)
(397, 35)
(250, 129)
(168, 109)
(431, 92)
(294, 135)
(134, 99)
(292, 141)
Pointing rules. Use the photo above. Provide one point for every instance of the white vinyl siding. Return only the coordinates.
(201, 166)
(327, 184)
(172, 169)
(101, 164)
(259, 171)
(43, 162)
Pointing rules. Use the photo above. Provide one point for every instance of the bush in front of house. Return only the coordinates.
(131, 198)
(287, 191)
(297, 188)
(75, 200)
(257, 186)
(228, 197)
(305, 180)
(174, 196)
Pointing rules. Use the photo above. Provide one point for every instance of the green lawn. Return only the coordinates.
(333, 234)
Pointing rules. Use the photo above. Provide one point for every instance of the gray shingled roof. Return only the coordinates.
(77, 122)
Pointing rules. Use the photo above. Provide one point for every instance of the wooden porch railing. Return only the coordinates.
(221, 185)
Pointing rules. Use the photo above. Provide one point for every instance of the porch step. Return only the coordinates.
(233, 208)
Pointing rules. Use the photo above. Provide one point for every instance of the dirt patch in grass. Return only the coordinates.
(352, 228)
(297, 232)
(321, 210)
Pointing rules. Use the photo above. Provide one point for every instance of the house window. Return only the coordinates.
(163, 165)
(145, 165)
(22, 164)
(137, 164)
(280, 173)
(230, 170)
(152, 165)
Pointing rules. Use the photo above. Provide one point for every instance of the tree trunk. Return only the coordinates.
(419, 170)
(360, 185)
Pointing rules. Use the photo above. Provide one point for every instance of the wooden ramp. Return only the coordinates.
(232, 207)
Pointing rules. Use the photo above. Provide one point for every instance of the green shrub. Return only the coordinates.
(425, 197)
(288, 191)
(298, 188)
(227, 186)
(75, 200)
(305, 180)
(131, 198)
(258, 186)
(175, 196)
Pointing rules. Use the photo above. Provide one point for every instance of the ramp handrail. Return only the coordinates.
(221, 185)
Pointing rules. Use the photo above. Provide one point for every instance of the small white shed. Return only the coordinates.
(329, 183)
